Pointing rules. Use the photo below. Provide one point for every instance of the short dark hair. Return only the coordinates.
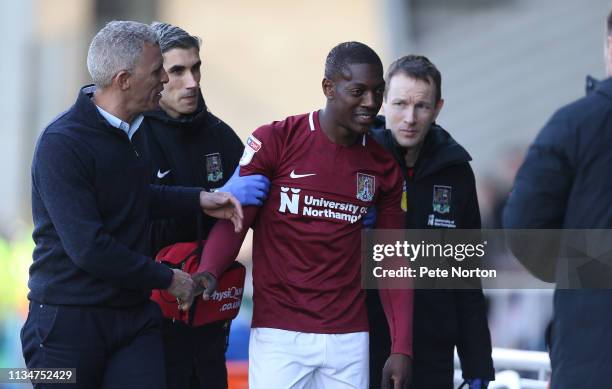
(172, 37)
(349, 53)
(418, 67)
(610, 23)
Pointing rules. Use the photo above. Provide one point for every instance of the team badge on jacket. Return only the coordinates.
(441, 198)
(214, 168)
(365, 187)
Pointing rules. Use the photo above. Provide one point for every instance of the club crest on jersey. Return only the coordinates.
(214, 168)
(252, 146)
(441, 198)
(365, 187)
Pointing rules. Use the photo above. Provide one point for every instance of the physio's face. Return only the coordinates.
(356, 96)
(147, 79)
(410, 108)
(180, 94)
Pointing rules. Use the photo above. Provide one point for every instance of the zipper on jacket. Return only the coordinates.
(134, 149)
(125, 136)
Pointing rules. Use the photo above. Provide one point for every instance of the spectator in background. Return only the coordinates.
(564, 183)
(440, 192)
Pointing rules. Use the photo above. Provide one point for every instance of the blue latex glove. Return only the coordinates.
(249, 190)
(477, 383)
(369, 219)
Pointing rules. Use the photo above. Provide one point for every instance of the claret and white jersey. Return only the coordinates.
(307, 239)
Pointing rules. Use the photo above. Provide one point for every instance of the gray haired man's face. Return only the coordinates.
(147, 80)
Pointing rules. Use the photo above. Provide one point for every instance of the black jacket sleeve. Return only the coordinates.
(174, 201)
(471, 215)
(543, 183)
(540, 195)
(474, 338)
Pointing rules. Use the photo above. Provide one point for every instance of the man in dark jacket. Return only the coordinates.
(192, 147)
(440, 192)
(92, 203)
(565, 183)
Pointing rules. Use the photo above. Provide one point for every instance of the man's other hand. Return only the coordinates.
(249, 190)
(398, 369)
(182, 287)
(205, 283)
(222, 205)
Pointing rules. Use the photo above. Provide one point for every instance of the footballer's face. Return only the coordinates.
(180, 94)
(355, 96)
(410, 108)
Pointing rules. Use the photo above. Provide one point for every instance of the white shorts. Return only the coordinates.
(295, 360)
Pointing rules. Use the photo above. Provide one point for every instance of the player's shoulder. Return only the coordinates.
(283, 129)
(290, 123)
(276, 133)
(383, 164)
(378, 151)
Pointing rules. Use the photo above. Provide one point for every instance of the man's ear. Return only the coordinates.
(438, 108)
(329, 88)
(122, 80)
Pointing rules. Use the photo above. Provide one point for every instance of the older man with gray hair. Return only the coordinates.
(92, 205)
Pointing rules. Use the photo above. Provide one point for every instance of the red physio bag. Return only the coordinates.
(224, 303)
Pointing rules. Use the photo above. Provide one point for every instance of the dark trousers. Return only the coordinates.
(195, 356)
(109, 347)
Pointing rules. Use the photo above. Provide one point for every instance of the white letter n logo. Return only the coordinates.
(291, 203)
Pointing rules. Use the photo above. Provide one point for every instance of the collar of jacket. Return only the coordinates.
(201, 115)
(439, 149)
(603, 87)
(85, 111)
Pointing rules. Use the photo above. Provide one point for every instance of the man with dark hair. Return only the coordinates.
(92, 275)
(435, 168)
(564, 183)
(345, 54)
(192, 147)
(310, 327)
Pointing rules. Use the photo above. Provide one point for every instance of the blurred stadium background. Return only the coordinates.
(506, 66)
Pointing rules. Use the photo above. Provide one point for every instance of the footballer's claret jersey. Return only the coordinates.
(307, 239)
